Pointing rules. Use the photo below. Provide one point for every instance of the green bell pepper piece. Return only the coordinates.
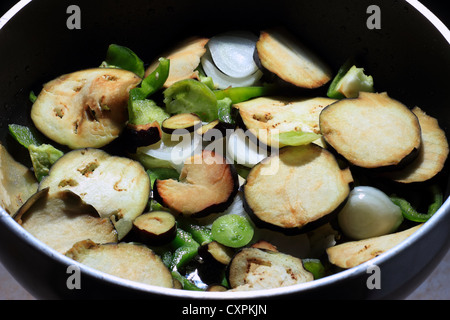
(191, 96)
(241, 94)
(153, 82)
(42, 158)
(411, 214)
(24, 135)
(123, 58)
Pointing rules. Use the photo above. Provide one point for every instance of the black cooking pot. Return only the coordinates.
(408, 55)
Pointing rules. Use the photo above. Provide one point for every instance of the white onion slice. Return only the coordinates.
(245, 152)
(173, 151)
(221, 80)
(232, 53)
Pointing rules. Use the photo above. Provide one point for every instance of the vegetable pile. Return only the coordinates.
(223, 165)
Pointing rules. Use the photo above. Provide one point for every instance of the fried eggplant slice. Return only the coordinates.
(371, 131)
(267, 116)
(282, 54)
(296, 187)
(155, 228)
(186, 122)
(17, 182)
(87, 108)
(255, 269)
(124, 260)
(62, 219)
(207, 184)
(432, 154)
(184, 60)
(354, 253)
(113, 185)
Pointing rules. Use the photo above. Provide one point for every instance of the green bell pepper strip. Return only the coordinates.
(411, 214)
(124, 58)
(201, 234)
(314, 266)
(241, 94)
(224, 110)
(186, 248)
(153, 82)
(24, 135)
(332, 92)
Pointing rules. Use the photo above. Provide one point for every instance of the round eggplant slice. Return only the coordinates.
(255, 269)
(207, 185)
(298, 186)
(156, 227)
(112, 185)
(62, 219)
(86, 108)
(17, 182)
(266, 117)
(371, 131)
(432, 154)
(125, 260)
(185, 122)
(282, 54)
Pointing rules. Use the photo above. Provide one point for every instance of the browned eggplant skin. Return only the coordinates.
(215, 208)
(135, 136)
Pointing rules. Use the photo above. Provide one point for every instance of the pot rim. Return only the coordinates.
(354, 272)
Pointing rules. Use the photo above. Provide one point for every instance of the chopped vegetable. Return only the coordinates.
(353, 253)
(373, 121)
(207, 185)
(432, 156)
(155, 228)
(369, 213)
(17, 182)
(296, 138)
(113, 185)
(232, 230)
(267, 116)
(244, 150)
(349, 83)
(152, 82)
(184, 60)
(86, 108)
(61, 219)
(191, 96)
(411, 214)
(181, 123)
(162, 174)
(314, 266)
(125, 260)
(255, 269)
(232, 53)
(241, 94)
(186, 248)
(24, 135)
(296, 187)
(122, 57)
(223, 81)
(42, 158)
(282, 54)
(145, 111)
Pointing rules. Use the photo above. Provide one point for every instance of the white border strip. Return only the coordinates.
(443, 29)
(11, 12)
